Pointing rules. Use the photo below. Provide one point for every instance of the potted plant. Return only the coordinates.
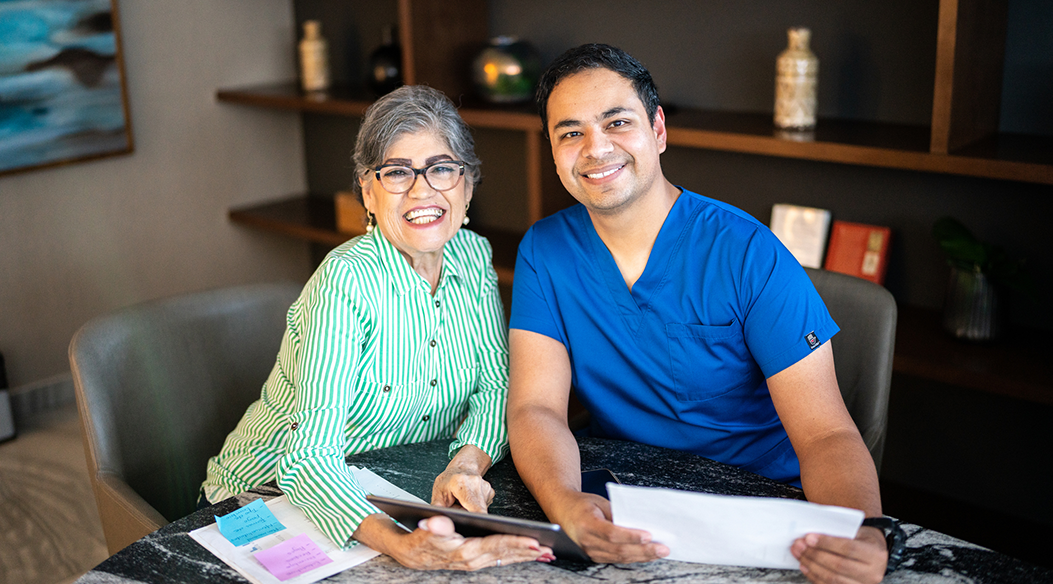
(979, 270)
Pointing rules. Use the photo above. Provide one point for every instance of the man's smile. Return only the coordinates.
(600, 174)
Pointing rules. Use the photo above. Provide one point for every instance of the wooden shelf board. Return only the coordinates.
(343, 101)
(313, 218)
(349, 101)
(303, 217)
(897, 146)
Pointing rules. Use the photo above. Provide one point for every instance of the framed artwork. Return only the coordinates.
(62, 92)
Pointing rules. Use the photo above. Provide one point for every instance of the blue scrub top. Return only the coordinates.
(679, 361)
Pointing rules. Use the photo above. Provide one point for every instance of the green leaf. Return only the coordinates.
(965, 252)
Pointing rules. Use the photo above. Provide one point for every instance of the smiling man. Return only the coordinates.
(678, 320)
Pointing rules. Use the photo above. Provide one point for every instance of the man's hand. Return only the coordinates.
(462, 482)
(587, 520)
(836, 559)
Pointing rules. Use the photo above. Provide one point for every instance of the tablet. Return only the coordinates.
(471, 524)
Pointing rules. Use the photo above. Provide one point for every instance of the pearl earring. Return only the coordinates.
(465, 220)
(371, 221)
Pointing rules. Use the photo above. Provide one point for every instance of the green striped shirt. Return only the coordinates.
(371, 359)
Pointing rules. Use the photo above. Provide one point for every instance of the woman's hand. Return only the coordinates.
(435, 545)
(462, 482)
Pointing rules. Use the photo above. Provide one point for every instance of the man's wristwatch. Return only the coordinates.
(895, 538)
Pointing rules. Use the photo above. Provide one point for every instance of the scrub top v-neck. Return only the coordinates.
(680, 360)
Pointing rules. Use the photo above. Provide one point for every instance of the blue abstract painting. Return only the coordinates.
(62, 93)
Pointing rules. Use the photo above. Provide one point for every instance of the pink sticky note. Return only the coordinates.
(291, 558)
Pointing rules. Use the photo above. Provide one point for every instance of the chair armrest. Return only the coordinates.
(126, 517)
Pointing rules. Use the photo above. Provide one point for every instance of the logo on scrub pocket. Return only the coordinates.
(813, 341)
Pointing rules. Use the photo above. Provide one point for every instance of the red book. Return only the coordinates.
(858, 250)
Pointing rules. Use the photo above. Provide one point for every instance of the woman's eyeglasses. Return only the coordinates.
(441, 176)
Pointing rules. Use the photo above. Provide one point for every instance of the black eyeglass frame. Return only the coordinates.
(417, 172)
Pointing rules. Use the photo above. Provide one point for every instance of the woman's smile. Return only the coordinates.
(424, 216)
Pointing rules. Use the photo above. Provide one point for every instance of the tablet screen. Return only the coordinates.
(471, 524)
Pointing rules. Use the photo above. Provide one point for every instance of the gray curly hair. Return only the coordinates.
(408, 110)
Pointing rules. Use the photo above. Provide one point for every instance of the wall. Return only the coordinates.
(80, 240)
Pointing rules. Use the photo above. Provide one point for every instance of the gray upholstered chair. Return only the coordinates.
(863, 350)
(159, 386)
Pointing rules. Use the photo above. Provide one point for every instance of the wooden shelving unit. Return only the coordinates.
(961, 140)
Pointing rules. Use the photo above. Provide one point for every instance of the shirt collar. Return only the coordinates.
(403, 278)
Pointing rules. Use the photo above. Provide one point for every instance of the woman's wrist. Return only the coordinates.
(470, 459)
(380, 533)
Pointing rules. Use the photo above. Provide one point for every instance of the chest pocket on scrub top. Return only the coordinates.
(706, 361)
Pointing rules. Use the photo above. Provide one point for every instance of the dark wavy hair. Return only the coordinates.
(597, 56)
(408, 110)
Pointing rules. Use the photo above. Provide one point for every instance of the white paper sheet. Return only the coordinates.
(296, 523)
(720, 529)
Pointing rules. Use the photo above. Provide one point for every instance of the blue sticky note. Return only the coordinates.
(249, 523)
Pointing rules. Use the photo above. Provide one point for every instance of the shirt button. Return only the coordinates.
(387, 388)
(426, 418)
(434, 381)
(436, 304)
(433, 342)
(294, 426)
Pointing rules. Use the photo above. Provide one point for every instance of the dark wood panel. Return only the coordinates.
(1017, 366)
(439, 40)
(970, 49)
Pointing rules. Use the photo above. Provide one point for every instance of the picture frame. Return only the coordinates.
(63, 94)
(803, 230)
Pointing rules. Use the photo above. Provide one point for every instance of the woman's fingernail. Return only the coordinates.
(423, 524)
(544, 559)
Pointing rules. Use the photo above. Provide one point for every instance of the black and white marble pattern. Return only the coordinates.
(170, 555)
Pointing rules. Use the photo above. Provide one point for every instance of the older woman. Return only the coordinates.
(398, 337)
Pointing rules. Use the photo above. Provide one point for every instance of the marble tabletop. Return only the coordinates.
(170, 555)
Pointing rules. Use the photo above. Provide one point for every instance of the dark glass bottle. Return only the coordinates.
(385, 63)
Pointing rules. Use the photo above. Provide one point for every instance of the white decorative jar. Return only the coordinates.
(314, 58)
(796, 82)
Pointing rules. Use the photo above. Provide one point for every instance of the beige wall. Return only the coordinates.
(81, 240)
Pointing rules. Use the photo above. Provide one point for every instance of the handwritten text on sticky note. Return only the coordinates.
(291, 558)
(249, 523)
